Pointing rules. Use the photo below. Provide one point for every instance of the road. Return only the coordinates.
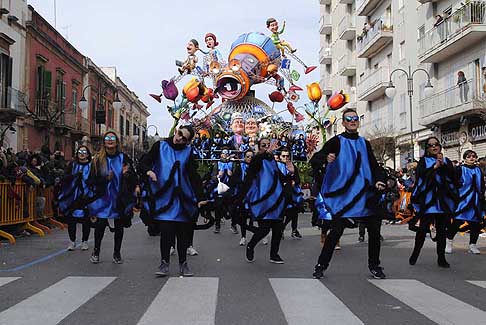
(41, 283)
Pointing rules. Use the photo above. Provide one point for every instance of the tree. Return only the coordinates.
(383, 142)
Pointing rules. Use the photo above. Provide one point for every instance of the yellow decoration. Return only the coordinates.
(314, 92)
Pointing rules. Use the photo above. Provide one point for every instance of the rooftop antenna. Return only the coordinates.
(55, 15)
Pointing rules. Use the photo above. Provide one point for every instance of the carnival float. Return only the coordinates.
(216, 96)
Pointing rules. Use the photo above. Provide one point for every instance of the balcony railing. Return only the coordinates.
(448, 102)
(373, 85)
(13, 104)
(325, 26)
(325, 55)
(53, 113)
(464, 27)
(347, 65)
(347, 28)
(374, 39)
(365, 7)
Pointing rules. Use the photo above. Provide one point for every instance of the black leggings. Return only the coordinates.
(169, 231)
(474, 230)
(264, 227)
(100, 227)
(337, 228)
(72, 222)
(291, 215)
(441, 221)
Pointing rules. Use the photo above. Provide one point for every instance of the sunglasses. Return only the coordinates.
(284, 156)
(249, 156)
(351, 118)
(110, 138)
(264, 145)
(471, 156)
(83, 152)
(433, 145)
(180, 134)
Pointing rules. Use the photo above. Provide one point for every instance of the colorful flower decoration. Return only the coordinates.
(276, 97)
(314, 92)
(338, 100)
(169, 89)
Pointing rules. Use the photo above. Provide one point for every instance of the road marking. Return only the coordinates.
(184, 301)
(433, 304)
(5, 280)
(308, 301)
(481, 284)
(53, 304)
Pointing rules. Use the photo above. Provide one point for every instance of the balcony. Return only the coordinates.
(449, 103)
(48, 113)
(325, 2)
(464, 28)
(347, 66)
(366, 7)
(325, 55)
(347, 28)
(325, 26)
(373, 86)
(373, 41)
(13, 105)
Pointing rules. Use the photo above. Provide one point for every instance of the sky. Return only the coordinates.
(143, 38)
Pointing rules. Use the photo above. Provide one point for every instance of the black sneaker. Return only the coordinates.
(250, 254)
(234, 230)
(163, 269)
(95, 258)
(276, 259)
(377, 272)
(117, 258)
(443, 263)
(217, 230)
(296, 234)
(184, 269)
(361, 239)
(318, 271)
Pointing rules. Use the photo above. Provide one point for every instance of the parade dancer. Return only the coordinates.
(237, 180)
(224, 173)
(434, 199)
(351, 176)
(294, 192)
(172, 195)
(73, 192)
(263, 189)
(114, 183)
(471, 204)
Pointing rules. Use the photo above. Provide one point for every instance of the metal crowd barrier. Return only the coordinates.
(17, 207)
(44, 210)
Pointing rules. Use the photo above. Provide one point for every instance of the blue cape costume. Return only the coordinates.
(471, 197)
(297, 196)
(73, 190)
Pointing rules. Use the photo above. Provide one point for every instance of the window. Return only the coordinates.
(60, 94)
(5, 78)
(128, 127)
(74, 99)
(403, 111)
(122, 125)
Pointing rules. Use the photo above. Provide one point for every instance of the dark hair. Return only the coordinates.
(190, 129)
(430, 138)
(37, 157)
(270, 20)
(467, 153)
(282, 149)
(247, 151)
(261, 139)
(349, 110)
(87, 149)
(195, 42)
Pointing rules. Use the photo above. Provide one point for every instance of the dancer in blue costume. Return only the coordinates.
(114, 184)
(352, 176)
(224, 171)
(263, 190)
(174, 192)
(471, 202)
(73, 192)
(434, 198)
(294, 192)
(236, 182)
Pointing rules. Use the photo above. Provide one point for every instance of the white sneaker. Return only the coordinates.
(473, 249)
(84, 246)
(338, 246)
(172, 250)
(71, 246)
(265, 241)
(242, 241)
(191, 251)
(448, 248)
(483, 235)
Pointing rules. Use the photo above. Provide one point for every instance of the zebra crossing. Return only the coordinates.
(195, 301)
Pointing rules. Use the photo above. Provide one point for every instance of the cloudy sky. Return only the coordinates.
(143, 38)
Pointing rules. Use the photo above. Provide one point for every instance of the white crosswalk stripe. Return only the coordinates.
(432, 303)
(5, 280)
(184, 301)
(308, 301)
(56, 302)
(481, 284)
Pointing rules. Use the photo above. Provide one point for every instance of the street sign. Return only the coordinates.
(100, 117)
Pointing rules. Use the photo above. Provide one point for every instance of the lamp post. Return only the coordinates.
(156, 135)
(391, 91)
(334, 125)
(134, 139)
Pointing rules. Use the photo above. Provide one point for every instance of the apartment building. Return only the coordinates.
(452, 45)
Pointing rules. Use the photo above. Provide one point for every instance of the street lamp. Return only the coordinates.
(83, 103)
(156, 135)
(391, 91)
(134, 139)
